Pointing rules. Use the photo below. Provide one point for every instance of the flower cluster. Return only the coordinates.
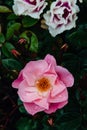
(42, 85)
(61, 16)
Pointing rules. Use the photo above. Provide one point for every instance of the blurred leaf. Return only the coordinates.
(83, 54)
(82, 98)
(6, 49)
(23, 124)
(83, 58)
(28, 21)
(70, 121)
(2, 38)
(26, 124)
(70, 61)
(21, 107)
(4, 9)
(12, 17)
(79, 37)
(67, 56)
(46, 128)
(11, 64)
(10, 31)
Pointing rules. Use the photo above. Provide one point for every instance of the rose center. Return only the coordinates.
(43, 84)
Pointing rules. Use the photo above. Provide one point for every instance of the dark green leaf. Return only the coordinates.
(28, 21)
(10, 31)
(2, 38)
(6, 49)
(27, 124)
(79, 37)
(70, 121)
(34, 43)
(9, 46)
(25, 36)
(70, 61)
(12, 17)
(23, 124)
(11, 64)
(21, 107)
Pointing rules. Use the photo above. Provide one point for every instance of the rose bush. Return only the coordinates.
(42, 85)
(32, 8)
(61, 16)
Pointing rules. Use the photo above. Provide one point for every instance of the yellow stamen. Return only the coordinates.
(43, 84)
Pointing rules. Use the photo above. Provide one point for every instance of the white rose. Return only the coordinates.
(61, 16)
(32, 8)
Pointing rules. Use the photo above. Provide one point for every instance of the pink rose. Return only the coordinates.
(42, 85)
(61, 16)
(32, 8)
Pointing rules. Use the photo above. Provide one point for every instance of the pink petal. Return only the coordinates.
(50, 60)
(61, 97)
(26, 93)
(57, 88)
(36, 67)
(55, 106)
(33, 70)
(17, 82)
(42, 103)
(32, 108)
(65, 76)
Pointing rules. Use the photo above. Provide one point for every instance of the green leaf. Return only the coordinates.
(21, 107)
(6, 49)
(2, 38)
(11, 64)
(70, 61)
(28, 21)
(70, 121)
(79, 37)
(12, 16)
(46, 127)
(83, 58)
(25, 36)
(9, 46)
(4, 9)
(11, 30)
(23, 124)
(34, 43)
(27, 124)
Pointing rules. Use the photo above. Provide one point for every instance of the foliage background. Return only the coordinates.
(31, 42)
